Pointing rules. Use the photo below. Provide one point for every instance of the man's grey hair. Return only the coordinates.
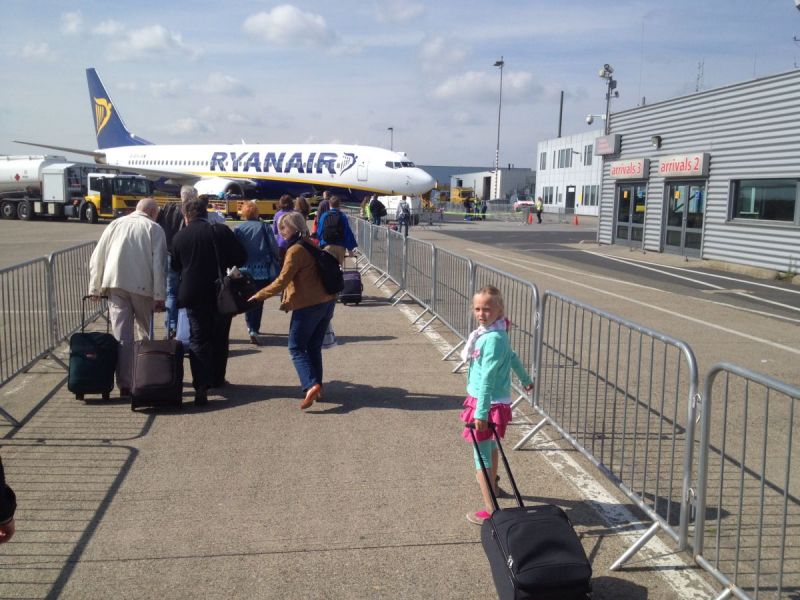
(188, 193)
(335, 201)
(148, 206)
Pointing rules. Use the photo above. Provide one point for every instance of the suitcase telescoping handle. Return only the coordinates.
(83, 312)
(471, 427)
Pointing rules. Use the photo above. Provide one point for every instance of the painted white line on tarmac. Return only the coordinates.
(662, 559)
(703, 273)
(641, 265)
(632, 301)
(658, 556)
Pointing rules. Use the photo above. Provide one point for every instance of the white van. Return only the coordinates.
(391, 203)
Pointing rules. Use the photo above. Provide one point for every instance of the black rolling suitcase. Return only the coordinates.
(92, 360)
(353, 287)
(157, 373)
(533, 552)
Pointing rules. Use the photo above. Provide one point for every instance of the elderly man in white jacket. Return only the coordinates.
(129, 266)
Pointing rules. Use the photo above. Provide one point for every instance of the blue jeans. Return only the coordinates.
(253, 316)
(171, 302)
(306, 332)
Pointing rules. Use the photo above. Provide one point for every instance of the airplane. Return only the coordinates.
(249, 170)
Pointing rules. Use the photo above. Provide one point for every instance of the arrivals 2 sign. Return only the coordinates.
(684, 165)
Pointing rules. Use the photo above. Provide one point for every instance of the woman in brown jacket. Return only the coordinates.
(311, 306)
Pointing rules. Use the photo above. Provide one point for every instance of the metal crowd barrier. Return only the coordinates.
(70, 270)
(748, 504)
(452, 291)
(624, 396)
(26, 334)
(40, 306)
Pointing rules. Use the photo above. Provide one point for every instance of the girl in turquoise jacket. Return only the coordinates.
(491, 360)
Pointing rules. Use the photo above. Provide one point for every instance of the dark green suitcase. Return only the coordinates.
(92, 360)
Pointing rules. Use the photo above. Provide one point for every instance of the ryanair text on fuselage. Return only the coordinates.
(283, 162)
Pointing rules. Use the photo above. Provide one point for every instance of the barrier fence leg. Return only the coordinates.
(424, 327)
(458, 366)
(400, 297)
(453, 349)
(636, 547)
(530, 434)
(420, 315)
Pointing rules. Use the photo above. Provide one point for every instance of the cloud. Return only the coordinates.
(440, 54)
(152, 41)
(288, 25)
(189, 126)
(169, 89)
(71, 23)
(483, 86)
(35, 51)
(221, 83)
(397, 11)
(109, 27)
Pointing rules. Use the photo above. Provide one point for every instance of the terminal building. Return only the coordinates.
(715, 175)
(500, 184)
(569, 174)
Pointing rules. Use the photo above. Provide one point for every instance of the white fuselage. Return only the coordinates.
(360, 170)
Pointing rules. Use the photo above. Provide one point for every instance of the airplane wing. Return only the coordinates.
(98, 156)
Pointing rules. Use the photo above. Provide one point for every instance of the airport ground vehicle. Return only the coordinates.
(112, 195)
(52, 186)
(459, 195)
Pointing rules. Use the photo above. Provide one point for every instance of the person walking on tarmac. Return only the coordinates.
(129, 266)
(377, 210)
(403, 215)
(538, 206)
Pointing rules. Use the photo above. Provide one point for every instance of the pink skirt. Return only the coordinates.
(499, 414)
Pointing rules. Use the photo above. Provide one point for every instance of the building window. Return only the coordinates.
(542, 161)
(765, 199)
(547, 195)
(565, 158)
(587, 155)
(590, 195)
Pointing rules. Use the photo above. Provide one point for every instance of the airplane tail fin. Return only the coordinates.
(108, 126)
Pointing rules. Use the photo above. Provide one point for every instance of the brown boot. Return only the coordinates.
(311, 396)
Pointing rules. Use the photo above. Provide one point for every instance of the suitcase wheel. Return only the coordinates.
(79, 396)
(107, 396)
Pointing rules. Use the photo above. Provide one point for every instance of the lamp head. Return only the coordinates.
(501, 62)
(589, 119)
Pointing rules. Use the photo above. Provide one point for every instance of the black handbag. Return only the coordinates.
(233, 292)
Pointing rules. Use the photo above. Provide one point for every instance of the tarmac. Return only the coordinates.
(362, 496)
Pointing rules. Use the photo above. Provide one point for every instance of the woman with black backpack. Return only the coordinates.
(305, 294)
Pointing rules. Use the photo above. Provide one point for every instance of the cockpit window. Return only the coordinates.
(408, 164)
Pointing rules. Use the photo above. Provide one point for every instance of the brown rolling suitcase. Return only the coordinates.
(157, 373)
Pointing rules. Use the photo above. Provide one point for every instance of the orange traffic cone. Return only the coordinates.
(575, 219)
(530, 218)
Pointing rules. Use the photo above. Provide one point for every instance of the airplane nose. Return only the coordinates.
(422, 182)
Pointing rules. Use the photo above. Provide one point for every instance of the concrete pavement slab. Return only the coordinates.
(362, 496)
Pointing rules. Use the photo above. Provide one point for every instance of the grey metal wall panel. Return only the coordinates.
(751, 130)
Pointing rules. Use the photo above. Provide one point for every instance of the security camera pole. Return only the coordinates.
(605, 73)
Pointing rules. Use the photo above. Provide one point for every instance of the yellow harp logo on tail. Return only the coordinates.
(102, 113)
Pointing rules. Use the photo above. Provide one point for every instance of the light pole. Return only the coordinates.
(391, 137)
(606, 73)
(500, 63)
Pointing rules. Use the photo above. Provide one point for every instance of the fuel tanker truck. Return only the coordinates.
(51, 186)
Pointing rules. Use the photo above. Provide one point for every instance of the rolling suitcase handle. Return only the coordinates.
(83, 313)
(471, 427)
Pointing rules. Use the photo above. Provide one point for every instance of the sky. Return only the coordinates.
(185, 72)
